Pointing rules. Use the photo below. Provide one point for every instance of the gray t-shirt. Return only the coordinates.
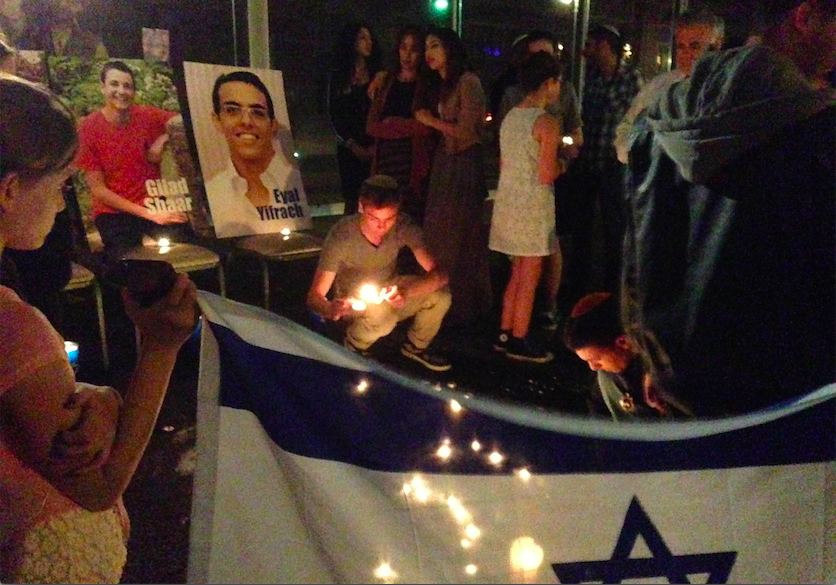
(356, 261)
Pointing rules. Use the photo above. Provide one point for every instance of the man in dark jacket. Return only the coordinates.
(730, 248)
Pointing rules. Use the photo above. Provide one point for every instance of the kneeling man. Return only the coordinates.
(362, 249)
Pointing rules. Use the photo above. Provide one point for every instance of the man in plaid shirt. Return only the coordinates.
(608, 92)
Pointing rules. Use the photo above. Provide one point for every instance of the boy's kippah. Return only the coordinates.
(381, 182)
(589, 302)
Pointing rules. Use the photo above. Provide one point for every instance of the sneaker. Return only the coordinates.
(352, 348)
(525, 350)
(500, 344)
(429, 360)
(549, 320)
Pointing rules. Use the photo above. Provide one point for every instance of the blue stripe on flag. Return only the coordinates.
(311, 408)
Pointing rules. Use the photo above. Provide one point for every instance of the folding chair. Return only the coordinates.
(83, 278)
(281, 248)
(183, 257)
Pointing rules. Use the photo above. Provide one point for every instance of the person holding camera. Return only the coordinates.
(67, 450)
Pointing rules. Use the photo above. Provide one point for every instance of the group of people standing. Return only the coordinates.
(711, 255)
(727, 276)
(420, 122)
(425, 127)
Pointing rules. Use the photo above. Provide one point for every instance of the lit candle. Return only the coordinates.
(370, 294)
(71, 347)
(357, 305)
(495, 458)
(163, 243)
(285, 231)
(567, 140)
(526, 558)
(384, 572)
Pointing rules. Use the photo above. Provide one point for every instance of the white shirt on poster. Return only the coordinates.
(234, 215)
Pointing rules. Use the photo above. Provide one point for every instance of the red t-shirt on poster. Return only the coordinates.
(119, 152)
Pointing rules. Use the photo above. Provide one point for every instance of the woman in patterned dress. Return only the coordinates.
(523, 222)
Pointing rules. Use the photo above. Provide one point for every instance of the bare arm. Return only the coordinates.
(433, 280)
(319, 303)
(39, 412)
(155, 151)
(547, 132)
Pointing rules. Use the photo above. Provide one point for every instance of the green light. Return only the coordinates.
(441, 5)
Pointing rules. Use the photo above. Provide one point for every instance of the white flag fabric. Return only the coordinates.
(318, 466)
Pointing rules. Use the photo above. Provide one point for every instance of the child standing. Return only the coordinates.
(523, 222)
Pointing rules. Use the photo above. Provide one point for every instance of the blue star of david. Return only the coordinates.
(663, 563)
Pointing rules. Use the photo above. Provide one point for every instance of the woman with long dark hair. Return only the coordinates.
(355, 61)
(453, 226)
(403, 146)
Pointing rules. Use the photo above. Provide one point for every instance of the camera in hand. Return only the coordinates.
(147, 281)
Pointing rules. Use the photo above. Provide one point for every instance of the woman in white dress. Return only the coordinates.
(523, 224)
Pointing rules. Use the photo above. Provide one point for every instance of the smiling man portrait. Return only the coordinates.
(120, 150)
(256, 192)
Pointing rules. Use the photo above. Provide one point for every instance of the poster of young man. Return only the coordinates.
(128, 112)
(245, 147)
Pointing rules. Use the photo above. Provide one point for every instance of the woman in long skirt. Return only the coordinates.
(454, 225)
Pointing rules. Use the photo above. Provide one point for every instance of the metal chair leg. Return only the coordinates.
(221, 279)
(265, 276)
(97, 291)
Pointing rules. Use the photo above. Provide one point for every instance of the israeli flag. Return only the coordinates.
(318, 466)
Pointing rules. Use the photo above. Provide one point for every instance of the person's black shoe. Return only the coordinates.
(362, 352)
(549, 320)
(525, 350)
(500, 344)
(424, 357)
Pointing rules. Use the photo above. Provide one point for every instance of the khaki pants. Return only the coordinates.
(379, 320)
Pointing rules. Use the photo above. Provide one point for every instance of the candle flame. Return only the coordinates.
(384, 571)
(370, 294)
